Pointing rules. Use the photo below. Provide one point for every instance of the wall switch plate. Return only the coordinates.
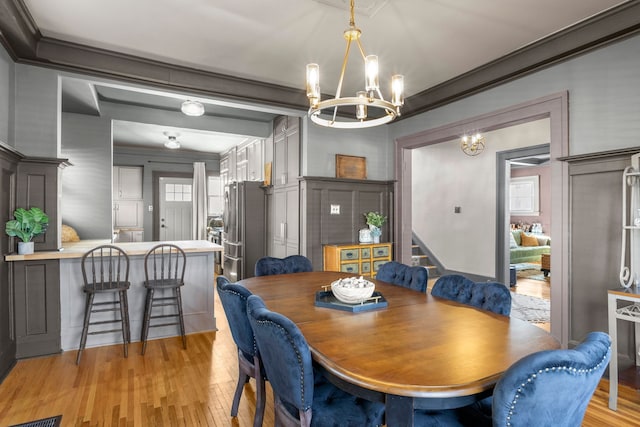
(150, 208)
(335, 210)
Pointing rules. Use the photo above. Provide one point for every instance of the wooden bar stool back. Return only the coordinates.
(105, 270)
(164, 267)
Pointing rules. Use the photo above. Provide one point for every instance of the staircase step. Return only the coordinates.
(432, 270)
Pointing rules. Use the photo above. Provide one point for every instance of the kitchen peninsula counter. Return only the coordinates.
(77, 249)
(50, 301)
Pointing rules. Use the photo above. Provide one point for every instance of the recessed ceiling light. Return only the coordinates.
(192, 108)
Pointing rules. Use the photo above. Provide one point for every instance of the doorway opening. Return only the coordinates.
(555, 108)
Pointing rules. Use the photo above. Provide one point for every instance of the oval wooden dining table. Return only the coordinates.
(418, 352)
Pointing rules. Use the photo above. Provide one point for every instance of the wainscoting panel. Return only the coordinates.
(596, 233)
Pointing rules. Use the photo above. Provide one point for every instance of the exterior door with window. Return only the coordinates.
(176, 207)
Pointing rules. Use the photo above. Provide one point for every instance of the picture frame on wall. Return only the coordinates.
(353, 167)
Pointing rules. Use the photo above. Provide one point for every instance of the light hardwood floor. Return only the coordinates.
(170, 386)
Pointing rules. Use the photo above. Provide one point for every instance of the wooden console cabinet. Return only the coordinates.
(363, 259)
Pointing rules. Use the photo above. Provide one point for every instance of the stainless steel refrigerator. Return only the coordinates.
(244, 235)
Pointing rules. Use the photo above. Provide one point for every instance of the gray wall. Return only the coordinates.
(86, 185)
(604, 94)
(7, 79)
(37, 122)
(320, 146)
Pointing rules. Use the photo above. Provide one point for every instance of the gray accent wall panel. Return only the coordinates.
(36, 111)
(596, 233)
(355, 197)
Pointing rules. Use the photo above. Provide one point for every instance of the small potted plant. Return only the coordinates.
(26, 225)
(375, 220)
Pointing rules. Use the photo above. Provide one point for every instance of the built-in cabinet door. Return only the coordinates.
(127, 183)
(8, 168)
(293, 150)
(37, 307)
(255, 171)
(38, 184)
(279, 160)
(286, 223)
(293, 223)
(286, 150)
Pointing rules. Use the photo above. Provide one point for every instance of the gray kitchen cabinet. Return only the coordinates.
(128, 213)
(255, 161)
(127, 183)
(127, 197)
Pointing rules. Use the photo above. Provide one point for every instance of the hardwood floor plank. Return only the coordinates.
(170, 386)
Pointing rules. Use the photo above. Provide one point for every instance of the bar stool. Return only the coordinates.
(105, 269)
(164, 267)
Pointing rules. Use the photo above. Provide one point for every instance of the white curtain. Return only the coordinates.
(199, 202)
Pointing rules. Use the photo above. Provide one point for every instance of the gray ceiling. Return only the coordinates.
(429, 41)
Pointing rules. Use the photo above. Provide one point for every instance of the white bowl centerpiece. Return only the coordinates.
(352, 290)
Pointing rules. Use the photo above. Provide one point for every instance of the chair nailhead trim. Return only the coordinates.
(574, 371)
(298, 355)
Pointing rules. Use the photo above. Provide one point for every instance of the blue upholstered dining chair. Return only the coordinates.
(267, 266)
(491, 296)
(549, 388)
(302, 396)
(234, 302)
(403, 275)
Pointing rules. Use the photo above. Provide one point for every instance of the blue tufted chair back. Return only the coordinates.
(403, 275)
(303, 397)
(234, 302)
(491, 296)
(284, 353)
(551, 388)
(267, 266)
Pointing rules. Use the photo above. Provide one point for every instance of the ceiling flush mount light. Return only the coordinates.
(192, 108)
(472, 145)
(359, 105)
(172, 142)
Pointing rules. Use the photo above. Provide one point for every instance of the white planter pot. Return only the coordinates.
(25, 248)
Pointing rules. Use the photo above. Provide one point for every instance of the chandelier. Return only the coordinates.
(364, 100)
(472, 145)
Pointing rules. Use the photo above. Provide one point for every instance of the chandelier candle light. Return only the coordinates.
(472, 145)
(371, 97)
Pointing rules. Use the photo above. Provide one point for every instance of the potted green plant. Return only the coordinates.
(375, 220)
(26, 225)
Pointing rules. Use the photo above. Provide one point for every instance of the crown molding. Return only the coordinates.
(608, 27)
(18, 32)
(25, 43)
